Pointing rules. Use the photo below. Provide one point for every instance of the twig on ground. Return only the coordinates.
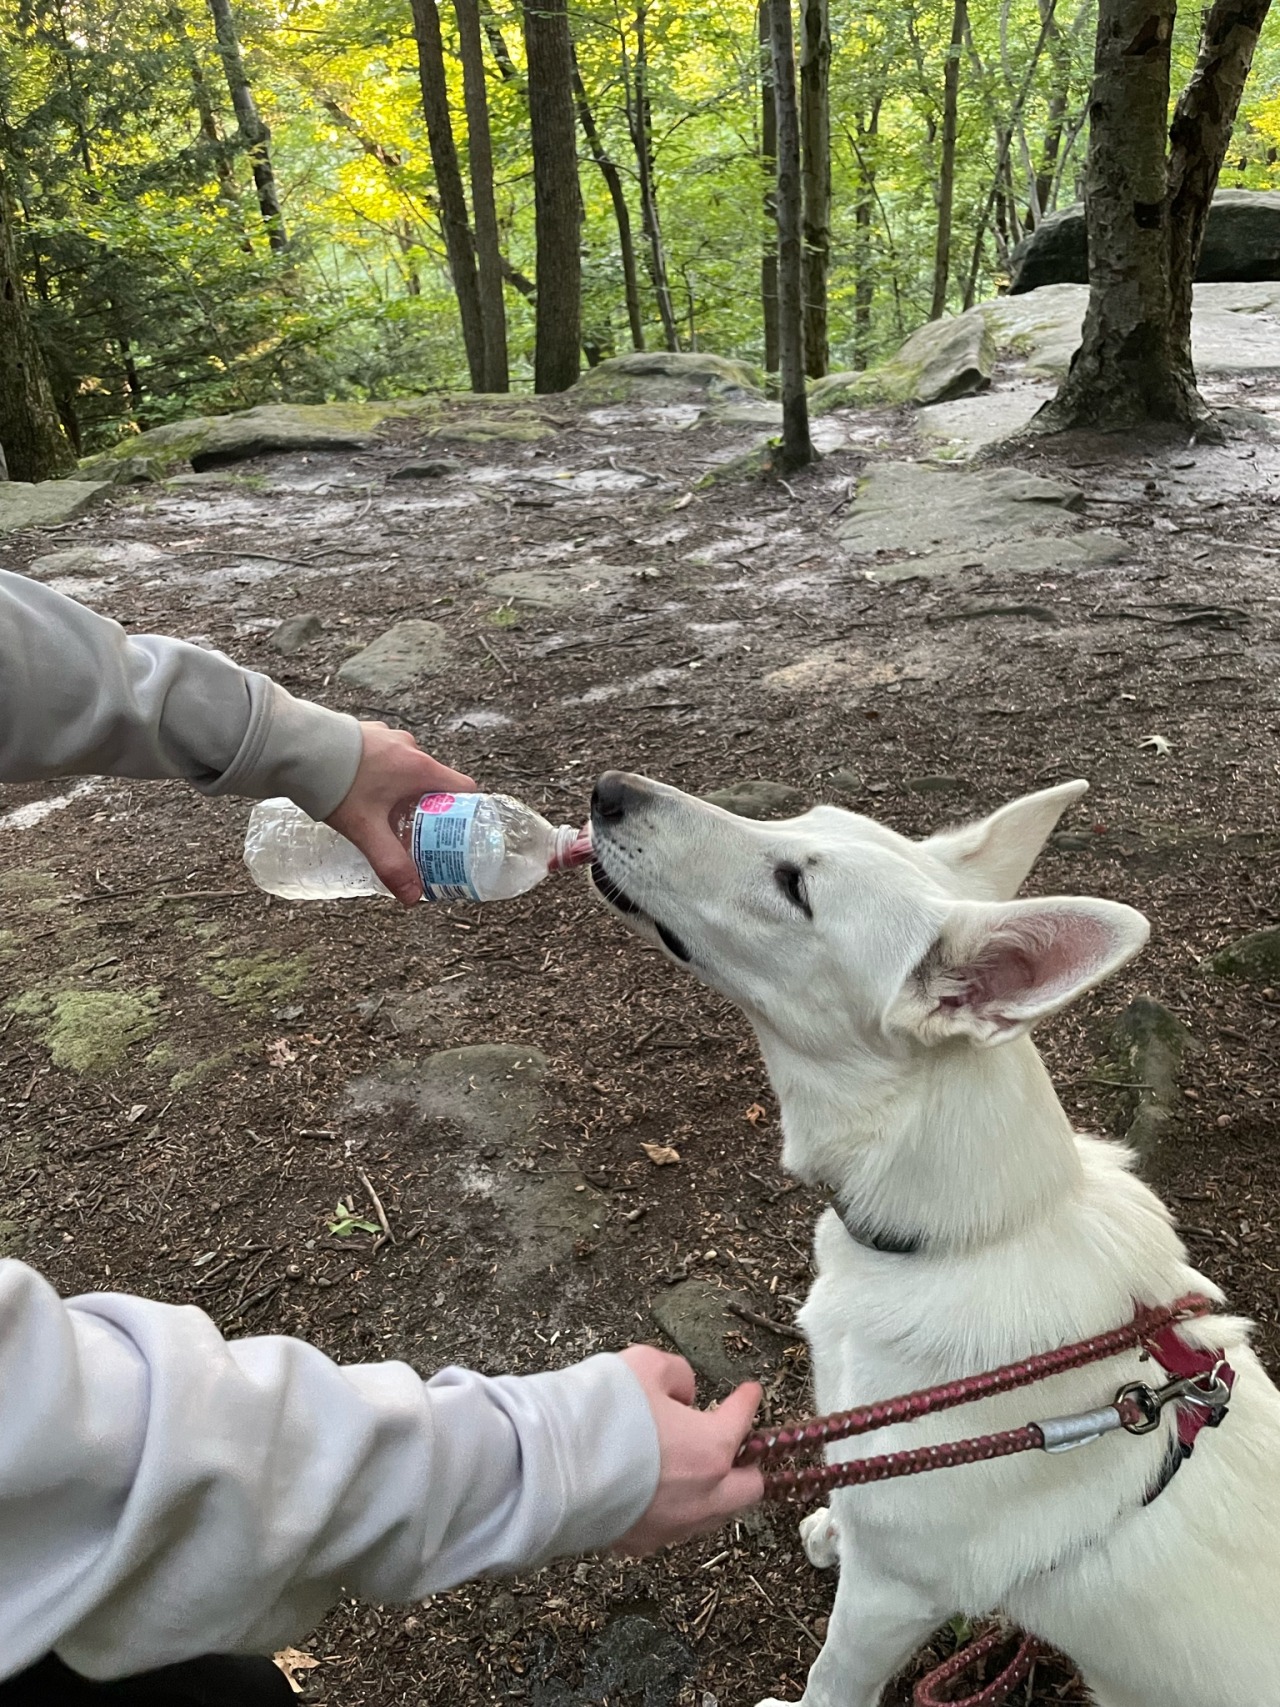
(378, 1210)
(758, 1321)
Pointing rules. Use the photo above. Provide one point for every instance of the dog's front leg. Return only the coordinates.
(876, 1625)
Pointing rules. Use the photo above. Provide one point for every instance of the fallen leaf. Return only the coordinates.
(280, 1054)
(135, 1113)
(683, 503)
(755, 1114)
(661, 1155)
(291, 1661)
(1155, 744)
(346, 1222)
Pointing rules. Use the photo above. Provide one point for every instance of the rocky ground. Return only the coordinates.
(204, 1090)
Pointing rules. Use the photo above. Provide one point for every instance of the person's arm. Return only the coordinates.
(164, 1492)
(79, 696)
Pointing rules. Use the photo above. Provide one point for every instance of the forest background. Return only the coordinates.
(219, 208)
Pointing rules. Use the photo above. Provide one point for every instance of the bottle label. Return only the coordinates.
(441, 833)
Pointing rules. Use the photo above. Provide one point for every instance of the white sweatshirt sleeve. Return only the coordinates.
(79, 696)
(165, 1492)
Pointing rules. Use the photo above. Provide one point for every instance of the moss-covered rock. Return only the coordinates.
(1255, 958)
(943, 360)
(670, 376)
(89, 1031)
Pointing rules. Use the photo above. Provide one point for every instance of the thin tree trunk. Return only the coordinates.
(253, 131)
(1133, 366)
(621, 212)
(797, 447)
(556, 196)
(1199, 136)
(493, 314)
(639, 113)
(947, 164)
(815, 136)
(31, 441)
(458, 243)
(769, 168)
(1060, 89)
(501, 55)
(864, 289)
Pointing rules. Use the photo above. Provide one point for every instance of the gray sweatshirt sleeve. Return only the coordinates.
(166, 1492)
(79, 696)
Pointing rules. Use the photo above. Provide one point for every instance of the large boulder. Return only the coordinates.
(944, 359)
(670, 376)
(46, 505)
(1241, 244)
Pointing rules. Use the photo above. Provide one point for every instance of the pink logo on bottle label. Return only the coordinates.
(437, 803)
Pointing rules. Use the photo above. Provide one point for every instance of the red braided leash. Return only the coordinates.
(768, 1447)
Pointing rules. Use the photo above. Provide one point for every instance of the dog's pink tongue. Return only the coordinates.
(580, 851)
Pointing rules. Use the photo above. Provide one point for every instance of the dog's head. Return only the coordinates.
(838, 936)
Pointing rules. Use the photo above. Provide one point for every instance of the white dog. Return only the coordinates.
(893, 986)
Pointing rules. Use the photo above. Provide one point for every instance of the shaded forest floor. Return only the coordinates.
(248, 1059)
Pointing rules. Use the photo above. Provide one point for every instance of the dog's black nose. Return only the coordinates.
(613, 796)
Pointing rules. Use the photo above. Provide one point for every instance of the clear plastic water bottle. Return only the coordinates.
(467, 847)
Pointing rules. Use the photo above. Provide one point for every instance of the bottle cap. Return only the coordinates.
(573, 847)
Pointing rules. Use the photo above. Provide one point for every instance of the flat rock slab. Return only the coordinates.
(560, 586)
(491, 1094)
(760, 799)
(46, 503)
(1235, 328)
(955, 432)
(666, 376)
(695, 1316)
(952, 519)
(399, 658)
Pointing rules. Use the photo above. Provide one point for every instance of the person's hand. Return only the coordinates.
(393, 769)
(698, 1486)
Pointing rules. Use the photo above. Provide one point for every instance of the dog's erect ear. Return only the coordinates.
(993, 856)
(997, 969)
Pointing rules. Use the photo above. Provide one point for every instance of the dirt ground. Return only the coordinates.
(194, 1076)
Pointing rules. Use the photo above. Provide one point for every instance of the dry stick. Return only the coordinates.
(378, 1210)
(758, 1321)
(509, 674)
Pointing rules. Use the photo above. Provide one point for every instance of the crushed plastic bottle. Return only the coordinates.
(467, 847)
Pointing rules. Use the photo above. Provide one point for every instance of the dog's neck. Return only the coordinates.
(955, 1148)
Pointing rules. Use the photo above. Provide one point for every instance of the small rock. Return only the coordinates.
(1071, 841)
(760, 799)
(848, 781)
(939, 785)
(694, 1315)
(45, 505)
(1255, 958)
(295, 632)
(434, 468)
(399, 658)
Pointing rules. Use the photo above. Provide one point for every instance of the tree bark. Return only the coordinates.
(458, 244)
(640, 120)
(32, 444)
(1133, 366)
(947, 164)
(769, 169)
(797, 447)
(556, 197)
(254, 133)
(1199, 136)
(815, 135)
(621, 212)
(493, 314)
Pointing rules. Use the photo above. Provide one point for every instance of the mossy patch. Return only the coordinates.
(255, 982)
(1254, 958)
(89, 1031)
(29, 883)
(189, 1078)
(9, 944)
(480, 431)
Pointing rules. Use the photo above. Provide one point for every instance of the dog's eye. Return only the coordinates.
(790, 879)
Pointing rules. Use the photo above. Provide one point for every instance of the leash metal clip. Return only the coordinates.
(1209, 1392)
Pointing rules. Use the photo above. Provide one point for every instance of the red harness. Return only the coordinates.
(1200, 1386)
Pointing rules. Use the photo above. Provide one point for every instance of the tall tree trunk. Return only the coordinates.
(815, 135)
(621, 212)
(769, 169)
(253, 130)
(864, 289)
(31, 441)
(1133, 366)
(458, 244)
(556, 198)
(797, 447)
(947, 165)
(1059, 92)
(1199, 136)
(493, 314)
(640, 118)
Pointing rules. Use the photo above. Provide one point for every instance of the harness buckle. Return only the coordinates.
(1207, 1392)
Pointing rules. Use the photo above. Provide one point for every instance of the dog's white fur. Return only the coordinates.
(876, 1016)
